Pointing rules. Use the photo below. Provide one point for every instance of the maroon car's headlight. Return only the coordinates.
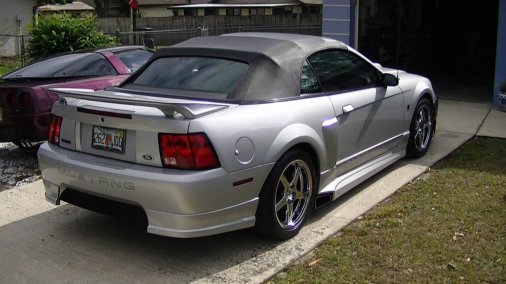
(54, 130)
(187, 151)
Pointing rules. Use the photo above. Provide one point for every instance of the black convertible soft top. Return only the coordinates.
(275, 60)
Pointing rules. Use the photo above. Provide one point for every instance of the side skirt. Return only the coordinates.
(349, 180)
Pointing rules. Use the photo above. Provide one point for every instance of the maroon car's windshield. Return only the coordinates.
(134, 59)
(68, 65)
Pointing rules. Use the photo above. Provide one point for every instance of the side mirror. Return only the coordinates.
(389, 80)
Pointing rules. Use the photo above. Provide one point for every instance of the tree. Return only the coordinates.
(60, 32)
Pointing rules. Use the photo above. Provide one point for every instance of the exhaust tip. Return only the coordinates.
(322, 200)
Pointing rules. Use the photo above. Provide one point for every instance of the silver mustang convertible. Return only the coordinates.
(243, 130)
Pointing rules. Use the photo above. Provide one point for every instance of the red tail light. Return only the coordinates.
(13, 101)
(187, 151)
(54, 130)
(19, 100)
(25, 100)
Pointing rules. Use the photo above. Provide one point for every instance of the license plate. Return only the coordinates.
(109, 139)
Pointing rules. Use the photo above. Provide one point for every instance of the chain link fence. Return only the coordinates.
(157, 38)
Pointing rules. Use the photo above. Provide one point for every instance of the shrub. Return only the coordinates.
(60, 32)
(502, 88)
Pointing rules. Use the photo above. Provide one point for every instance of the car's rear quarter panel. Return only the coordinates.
(273, 128)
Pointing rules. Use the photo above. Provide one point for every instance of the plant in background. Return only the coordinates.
(501, 97)
(502, 88)
(60, 32)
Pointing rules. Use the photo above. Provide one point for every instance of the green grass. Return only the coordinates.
(447, 226)
(8, 64)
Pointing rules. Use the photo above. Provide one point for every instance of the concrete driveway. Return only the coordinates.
(41, 243)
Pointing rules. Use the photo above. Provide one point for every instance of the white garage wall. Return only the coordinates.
(10, 13)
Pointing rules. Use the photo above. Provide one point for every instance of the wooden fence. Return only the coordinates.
(170, 30)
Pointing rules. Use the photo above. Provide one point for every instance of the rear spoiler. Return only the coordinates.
(166, 105)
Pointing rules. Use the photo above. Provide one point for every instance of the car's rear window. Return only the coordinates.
(68, 65)
(201, 74)
(134, 59)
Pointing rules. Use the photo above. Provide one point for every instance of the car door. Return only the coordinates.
(369, 115)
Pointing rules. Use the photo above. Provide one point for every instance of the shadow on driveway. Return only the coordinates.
(70, 244)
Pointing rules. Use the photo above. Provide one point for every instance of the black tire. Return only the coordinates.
(286, 202)
(421, 129)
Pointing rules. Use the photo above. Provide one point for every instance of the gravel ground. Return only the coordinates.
(17, 166)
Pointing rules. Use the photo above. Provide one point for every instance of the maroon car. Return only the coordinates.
(25, 99)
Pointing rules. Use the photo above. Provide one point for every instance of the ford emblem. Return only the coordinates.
(148, 157)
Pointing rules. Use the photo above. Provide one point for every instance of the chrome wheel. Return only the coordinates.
(423, 127)
(293, 194)
(287, 196)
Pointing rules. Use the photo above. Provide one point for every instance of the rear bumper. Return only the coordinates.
(32, 127)
(177, 203)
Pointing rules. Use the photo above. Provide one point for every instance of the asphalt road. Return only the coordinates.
(42, 243)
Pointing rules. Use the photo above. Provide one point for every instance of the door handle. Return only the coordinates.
(347, 108)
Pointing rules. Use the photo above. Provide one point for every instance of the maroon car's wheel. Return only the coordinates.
(287, 196)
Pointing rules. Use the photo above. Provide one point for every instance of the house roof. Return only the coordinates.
(246, 2)
(269, 5)
(312, 2)
(90, 3)
(227, 3)
(171, 2)
(74, 6)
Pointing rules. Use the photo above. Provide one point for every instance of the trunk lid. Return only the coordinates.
(124, 126)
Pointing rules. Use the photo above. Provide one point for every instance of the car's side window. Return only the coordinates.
(77, 65)
(308, 82)
(92, 65)
(340, 70)
(67, 65)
